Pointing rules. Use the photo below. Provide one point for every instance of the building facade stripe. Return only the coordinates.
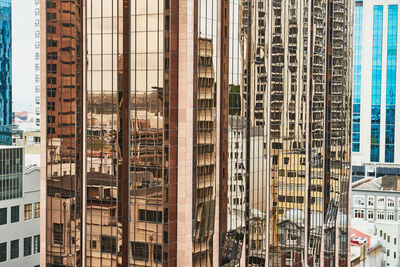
(376, 82)
(391, 82)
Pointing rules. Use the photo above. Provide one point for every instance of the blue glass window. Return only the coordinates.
(374, 153)
(391, 82)
(376, 82)
(357, 76)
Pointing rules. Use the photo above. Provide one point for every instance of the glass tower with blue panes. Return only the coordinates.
(375, 118)
(5, 73)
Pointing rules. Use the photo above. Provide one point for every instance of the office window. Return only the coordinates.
(28, 211)
(390, 215)
(36, 210)
(380, 233)
(36, 244)
(14, 249)
(3, 251)
(3, 216)
(394, 255)
(140, 251)
(58, 233)
(388, 238)
(388, 252)
(27, 246)
(14, 214)
(394, 240)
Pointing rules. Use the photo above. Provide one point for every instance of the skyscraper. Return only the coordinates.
(36, 11)
(196, 132)
(5, 73)
(375, 143)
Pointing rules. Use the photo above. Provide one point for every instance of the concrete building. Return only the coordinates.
(377, 200)
(19, 212)
(375, 87)
(139, 152)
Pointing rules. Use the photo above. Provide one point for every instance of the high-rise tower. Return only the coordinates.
(5, 73)
(376, 79)
(195, 132)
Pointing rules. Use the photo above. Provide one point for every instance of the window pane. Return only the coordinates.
(14, 214)
(140, 251)
(108, 244)
(3, 252)
(3, 216)
(28, 212)
(37, 210)
(27, 246)
(58, 233)
(15, 249)
(36, 244)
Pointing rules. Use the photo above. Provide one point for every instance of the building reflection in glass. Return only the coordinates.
(270, 165)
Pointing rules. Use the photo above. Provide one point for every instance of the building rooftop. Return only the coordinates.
(384, 183)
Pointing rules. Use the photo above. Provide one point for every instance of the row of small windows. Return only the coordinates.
(108, 244)
(359, 201)
(15, 213)
(380, 215)
(387, 238)
(14, 248)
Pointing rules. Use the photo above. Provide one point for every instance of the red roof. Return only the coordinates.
(357, 234)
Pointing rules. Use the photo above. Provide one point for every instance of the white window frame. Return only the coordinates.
(359, 213)
(380, 202)
(359, 201)
(390, 200)
(370, 212)
(370, 201)
(380, 215)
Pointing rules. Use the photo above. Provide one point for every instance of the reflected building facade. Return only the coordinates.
(195, 133)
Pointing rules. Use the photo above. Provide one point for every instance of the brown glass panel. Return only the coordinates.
(104, 90)
(64, 127)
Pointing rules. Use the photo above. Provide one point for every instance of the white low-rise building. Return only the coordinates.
(20, 222)
(376, 205)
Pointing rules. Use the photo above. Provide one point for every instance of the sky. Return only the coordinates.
(23, 52)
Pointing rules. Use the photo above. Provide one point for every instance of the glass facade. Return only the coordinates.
(376, 82)
(391, 82)
(264, 132)
(64, 166)
(5, 73)
(358, 21)
(11, 172)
